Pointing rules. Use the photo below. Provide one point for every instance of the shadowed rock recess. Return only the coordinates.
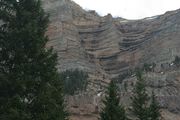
(108, 47)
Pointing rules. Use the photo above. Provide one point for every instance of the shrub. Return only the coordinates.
(177, 61)
(149, 67)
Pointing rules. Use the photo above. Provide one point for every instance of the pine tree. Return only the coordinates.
(112, 110)
(154, 109)
(140, 98)
(29, 85)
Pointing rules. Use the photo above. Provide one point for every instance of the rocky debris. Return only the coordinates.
(169, 116)
(107, 47)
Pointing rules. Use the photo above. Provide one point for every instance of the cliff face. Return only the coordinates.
(107, 47)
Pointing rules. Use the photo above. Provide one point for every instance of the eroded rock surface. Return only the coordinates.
(107, 47)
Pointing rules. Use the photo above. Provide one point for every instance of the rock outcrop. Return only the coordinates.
(108, 47)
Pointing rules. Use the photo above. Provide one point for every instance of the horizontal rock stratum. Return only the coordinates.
(108, 47)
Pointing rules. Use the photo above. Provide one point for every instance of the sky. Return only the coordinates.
(130, 9)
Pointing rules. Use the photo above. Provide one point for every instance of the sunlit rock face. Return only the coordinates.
(107, 47)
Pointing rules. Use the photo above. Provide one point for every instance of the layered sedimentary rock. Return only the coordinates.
(107, 47)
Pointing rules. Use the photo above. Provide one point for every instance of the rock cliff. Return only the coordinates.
(108, 47)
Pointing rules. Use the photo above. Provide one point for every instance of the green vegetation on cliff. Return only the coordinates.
(74, 81)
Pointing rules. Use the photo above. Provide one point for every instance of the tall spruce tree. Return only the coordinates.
(154, 109)
(29, 85)
(140, 98)
(112, 109)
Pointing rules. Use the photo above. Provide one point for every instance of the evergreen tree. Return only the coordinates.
(112, 110)
(29, 85)
(140, 98)
(154, 113)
